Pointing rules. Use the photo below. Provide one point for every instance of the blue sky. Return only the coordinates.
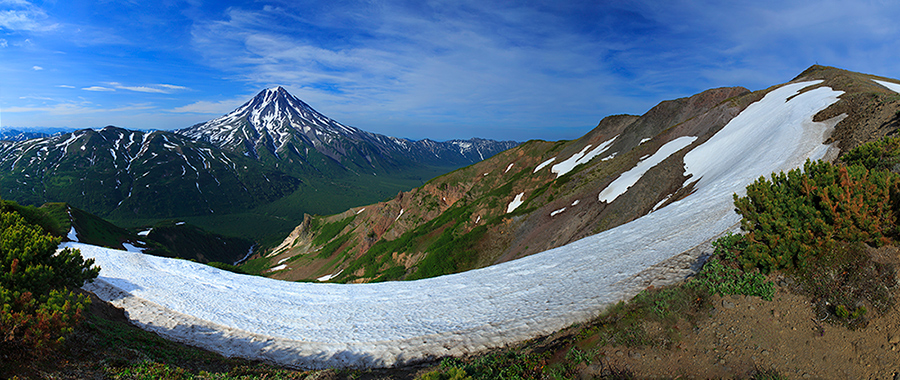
(439, 69)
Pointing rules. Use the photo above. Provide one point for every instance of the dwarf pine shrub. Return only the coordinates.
(793, 217)
(38, 306)
(881, 154)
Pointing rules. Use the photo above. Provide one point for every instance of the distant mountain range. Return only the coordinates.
(21, 135)
(273, 148)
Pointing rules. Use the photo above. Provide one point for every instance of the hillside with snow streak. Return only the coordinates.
(115, 172)
(384, 324)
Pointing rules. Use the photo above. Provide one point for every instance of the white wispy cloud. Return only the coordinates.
(24, 16)
(155, 89)
(98, 88)
(64, 86)
(37, 68)
(172, 87)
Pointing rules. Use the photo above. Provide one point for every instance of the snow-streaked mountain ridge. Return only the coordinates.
(116, 170)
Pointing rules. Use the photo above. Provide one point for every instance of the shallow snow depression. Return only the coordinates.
(322, 325)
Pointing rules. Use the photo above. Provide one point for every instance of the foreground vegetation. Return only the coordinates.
(817, 227)
(38, 304)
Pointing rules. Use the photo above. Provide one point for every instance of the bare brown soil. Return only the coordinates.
(744, 335)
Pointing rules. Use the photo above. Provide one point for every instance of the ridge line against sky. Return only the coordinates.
(438, 69)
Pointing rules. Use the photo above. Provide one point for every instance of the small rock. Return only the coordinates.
(765, 353)
(750, 307)
(894, 339)
(620, 353)
(727, 304)
(721, 361)
(592, 370)
(776, 314)
(634, 355)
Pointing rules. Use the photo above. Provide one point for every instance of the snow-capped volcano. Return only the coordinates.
(269, 120)
(277, 124)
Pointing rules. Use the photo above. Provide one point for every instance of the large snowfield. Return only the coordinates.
(313, 325)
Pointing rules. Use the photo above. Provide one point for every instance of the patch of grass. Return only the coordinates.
(48, 219)
(509, 364)
(450, 254)
(332, 246)
(391, 274)
(255, 266)
(329, 230)
(449, 373)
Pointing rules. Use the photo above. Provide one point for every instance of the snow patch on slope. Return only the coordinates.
(132, 248)
(629, 178)
(329, 276)
(778, 129)
(516, 202)
(73, 236)
(543, 164)
(890, 85)
(579, 158)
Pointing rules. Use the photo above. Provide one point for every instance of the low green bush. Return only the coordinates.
(793, 217)
(721, 274)
(38, 306)
(882, 154)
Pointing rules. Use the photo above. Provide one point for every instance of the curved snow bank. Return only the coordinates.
(321, 325)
